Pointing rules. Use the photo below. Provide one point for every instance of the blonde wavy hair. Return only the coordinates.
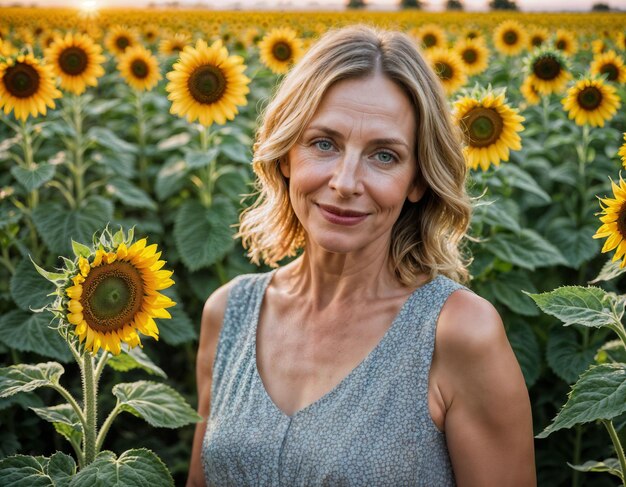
(427, 236)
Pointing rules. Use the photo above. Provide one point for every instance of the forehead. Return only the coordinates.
(375, 100)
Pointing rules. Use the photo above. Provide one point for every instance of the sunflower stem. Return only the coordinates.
(72, 402)
(106, 426)
(33, 196)
(77, 148)
(582, 149)
(101, 363)
(207, 194)
(608, 424)
(64, 191)
(618, 328)
(90, 405)
(141, 139)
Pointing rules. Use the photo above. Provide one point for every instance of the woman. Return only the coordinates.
(325, 371)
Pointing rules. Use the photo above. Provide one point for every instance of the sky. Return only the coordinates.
(470, 5)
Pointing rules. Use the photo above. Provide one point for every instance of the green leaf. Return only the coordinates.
(600, 393)
(575, 243)
(588, 306)
(566, 355)
(58, 226)
(25, 400)
(9, 443)
(610, 270)
(508, 290)
(196, 159)
(158, 404)
(107, 139)
(56, 277)
(610, 465)
(526, 249)
(135, 358)
(64, 419)
(171, 178)
(174, 142)
(61, 468)
(611, 351)
(29, 332)
(80, 250)
(28, 377)
(518, 178)
(34, 176)
(236, 152)
(134, 468)
(524, 344)
(179, 329)
(231, 182)
(496, 213)
(28, 288)
(203, 235)
(129, 194)
(25, 471)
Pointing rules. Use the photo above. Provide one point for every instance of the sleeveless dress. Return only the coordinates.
(373, 429)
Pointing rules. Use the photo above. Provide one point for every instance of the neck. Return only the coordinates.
(326, 279)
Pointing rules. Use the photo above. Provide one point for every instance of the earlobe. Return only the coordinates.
(284, 166)
(417, 192)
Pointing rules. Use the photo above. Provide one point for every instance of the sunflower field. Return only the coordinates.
(125, 158)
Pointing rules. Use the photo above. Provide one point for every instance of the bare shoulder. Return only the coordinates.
(468, 324)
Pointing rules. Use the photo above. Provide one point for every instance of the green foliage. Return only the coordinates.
(26, 471)
(27, 377)
(158, 404)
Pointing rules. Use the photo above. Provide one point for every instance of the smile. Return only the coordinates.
(340, 216)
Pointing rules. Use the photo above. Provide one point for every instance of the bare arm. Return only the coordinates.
(488, 422)
(211, 324)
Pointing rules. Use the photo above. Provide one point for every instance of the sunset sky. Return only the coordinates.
(470, 5)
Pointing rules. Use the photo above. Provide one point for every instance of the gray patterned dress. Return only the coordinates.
(373, 429)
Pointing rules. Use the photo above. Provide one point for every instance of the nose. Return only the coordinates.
(346, 179)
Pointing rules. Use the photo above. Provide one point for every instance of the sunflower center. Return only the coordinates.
(510, 37)
(561, 44)
(589, 98)
(471, 35)
(611, 70)
(547, 68)
(21, 80)
(444, 70)
(482, 126)
(207, 84)
(281, 51)
(112, 295)
(73, 60)
(469, 56)
(429, 40)
(536, 41)
(122, 42)
(139, 68)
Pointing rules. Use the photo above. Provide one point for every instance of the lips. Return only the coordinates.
(342, 211)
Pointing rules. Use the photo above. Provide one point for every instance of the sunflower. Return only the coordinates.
(598, 46)
(565, 41)
(150, 33)
(538, 36)
(279, 49)
(614, 222)
(119, 39)
(510, 38)
(547, 70)
(207, 84)
(115, 293)
(609, 64)
(7, 49)
(490, 129)
(474, 55)
(26, 86)
(139, 68)
(174, 44)
(430, 36)
(591, 101)
(77, 60)
(622, 152)
(620, 40)
(473, 33)
(529, 92)
(448, 66)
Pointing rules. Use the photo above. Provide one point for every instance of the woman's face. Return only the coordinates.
(354, 166)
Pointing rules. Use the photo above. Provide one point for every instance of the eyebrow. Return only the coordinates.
(382, 141)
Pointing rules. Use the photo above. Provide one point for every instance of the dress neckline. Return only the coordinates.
(342, 383)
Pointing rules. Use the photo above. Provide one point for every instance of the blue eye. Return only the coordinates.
(323, 145)
(386, 157)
